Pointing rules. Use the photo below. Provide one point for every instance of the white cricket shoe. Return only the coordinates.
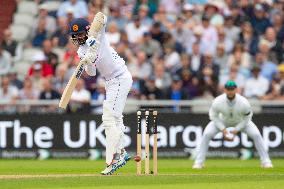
(267, 165)
(197, 166)
(125, 155)
(114, 166)
(108, 170)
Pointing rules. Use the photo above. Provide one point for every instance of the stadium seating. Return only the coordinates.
(20, 32)
(23, 19)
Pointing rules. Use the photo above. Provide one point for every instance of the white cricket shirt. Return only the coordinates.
(225, 113)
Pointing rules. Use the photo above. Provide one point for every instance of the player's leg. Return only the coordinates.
(125, 83)
(117, 90)
(209, 132)
(112, 138)
(252, 131)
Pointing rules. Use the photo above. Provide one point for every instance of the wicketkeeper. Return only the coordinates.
(97, 53)
(231, 110)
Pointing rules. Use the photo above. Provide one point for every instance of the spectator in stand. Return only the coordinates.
(149, 45)
(162, 78)
(48, 93)
(257, 85)
(172, 58)
(143, 16)
(80, 8)
(28, 92)
(157, 33)
(195, 57)
(137, 87)
(152, 4)
(208, 64)
(140, 65)
(97, 6)
(115, 16)
(185, 65)
(268, 68)
(248, 39)
(163, 18)
(12, 46)
(209, 37)
(52, 58)
(232, 32)
(242, 58)
(274, 46)
(150, 91)
(274, 92)
(278, 25)
(126, 7)
(212, 10)
(80, 98)
(41, 65)
(61, 37)
(8, 92)
(191, 19)
(171, 7)
(135, 30)
(5, 61)
(208, 75)
(60, 80)
(181, 34)
(175, 91)
(14, 80)
(69, 15)
(113, 34)
(221, 58)
(259, 20)
(228, 43)
(233, 73)
(40, 33)
(191, 84)
(50, 21)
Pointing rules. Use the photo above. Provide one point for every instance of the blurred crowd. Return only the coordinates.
(175, 49)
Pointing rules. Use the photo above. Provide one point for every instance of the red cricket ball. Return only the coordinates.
(137, 158)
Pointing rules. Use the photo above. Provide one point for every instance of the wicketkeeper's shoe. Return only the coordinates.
(267, 165)
(197, 166)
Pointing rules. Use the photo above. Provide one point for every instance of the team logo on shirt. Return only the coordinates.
(75, 27)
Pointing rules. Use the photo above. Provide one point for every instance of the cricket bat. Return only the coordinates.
(95, 28)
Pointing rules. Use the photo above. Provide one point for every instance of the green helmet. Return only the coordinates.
(230, 84)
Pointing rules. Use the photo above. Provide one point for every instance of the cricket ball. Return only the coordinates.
(137, 158)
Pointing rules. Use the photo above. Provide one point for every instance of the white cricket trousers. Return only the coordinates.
(251, 130)
(117, 90)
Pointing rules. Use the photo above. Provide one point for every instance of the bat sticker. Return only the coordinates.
(80, 71)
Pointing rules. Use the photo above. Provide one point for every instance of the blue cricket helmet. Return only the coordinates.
(78, 25)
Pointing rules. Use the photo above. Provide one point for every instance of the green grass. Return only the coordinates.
(173, 173)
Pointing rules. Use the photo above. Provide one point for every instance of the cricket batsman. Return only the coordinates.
(231, 110)
(97, 54)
